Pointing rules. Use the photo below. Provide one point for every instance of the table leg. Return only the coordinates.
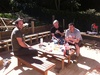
(45, 73)
(68, 59)
(62, 63)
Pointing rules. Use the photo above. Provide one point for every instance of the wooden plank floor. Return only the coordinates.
(90, 59)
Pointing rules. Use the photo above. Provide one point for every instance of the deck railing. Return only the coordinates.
(28, 38)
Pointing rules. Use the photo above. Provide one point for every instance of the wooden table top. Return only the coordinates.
(52, 49)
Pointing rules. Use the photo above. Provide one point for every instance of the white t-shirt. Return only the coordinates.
(76, 34)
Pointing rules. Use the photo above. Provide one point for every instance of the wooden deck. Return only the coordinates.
(90, 59)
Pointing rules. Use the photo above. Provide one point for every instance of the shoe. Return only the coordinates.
(76, 59)
(80, 55)
(6, 62)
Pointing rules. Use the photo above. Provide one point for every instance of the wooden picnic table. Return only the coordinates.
(56, 52)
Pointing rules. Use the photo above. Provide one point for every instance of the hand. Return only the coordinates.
(67, 47)
(29, 46)
(57, 31)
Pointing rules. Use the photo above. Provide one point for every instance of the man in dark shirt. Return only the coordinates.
(19, 47)
(57, 33)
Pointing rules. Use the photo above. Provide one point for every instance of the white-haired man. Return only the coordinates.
(57, 33)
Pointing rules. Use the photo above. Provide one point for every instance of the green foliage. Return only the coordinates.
(90, 11)
(82, 20)
(44, 9)
(7, 15)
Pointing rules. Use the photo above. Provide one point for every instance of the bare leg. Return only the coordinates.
(77, 50)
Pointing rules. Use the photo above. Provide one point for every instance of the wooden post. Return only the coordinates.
(32, 25)
(0, 35)
(53, 18)
(1, 61)
(63, 23)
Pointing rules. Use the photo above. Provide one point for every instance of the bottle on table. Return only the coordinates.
(41, 40)
(67, 48)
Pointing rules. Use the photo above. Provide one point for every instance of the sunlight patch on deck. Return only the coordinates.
(83, 66)
(51, 73)
(90, 53)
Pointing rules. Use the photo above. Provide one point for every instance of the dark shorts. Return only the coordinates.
(79, 43)
(26, 51)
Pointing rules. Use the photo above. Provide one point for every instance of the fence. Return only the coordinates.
(26, 30)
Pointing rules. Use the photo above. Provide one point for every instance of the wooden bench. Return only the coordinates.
(39, 64)
(37, 36)
(28, 38)
(44, 34)
(5, 43)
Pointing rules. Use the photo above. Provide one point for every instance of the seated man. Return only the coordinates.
(57, 33)
(94, 27)
(19, 47)
(73, 36)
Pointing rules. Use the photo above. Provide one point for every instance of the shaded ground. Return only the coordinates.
(92, 44)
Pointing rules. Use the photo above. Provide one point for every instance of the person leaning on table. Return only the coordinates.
(19, 47)
(73, 37)
(57, 33)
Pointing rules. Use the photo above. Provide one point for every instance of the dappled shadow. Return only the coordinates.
(92, 44)
(94, 71)
(5, 55)
(89, 62)
(31, 59)
(26, 71)
(85, 64)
